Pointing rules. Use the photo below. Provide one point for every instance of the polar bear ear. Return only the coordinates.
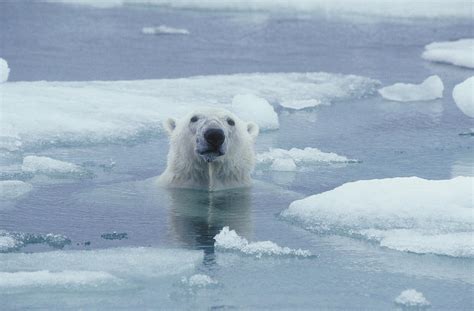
(170, 125)
(253, 129)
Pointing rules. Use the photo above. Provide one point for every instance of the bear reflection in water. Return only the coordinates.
(198, 216)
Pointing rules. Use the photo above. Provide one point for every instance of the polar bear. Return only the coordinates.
(210, 149)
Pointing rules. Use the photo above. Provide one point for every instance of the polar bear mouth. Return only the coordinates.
(211, 155)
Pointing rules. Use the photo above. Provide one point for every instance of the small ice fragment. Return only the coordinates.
(463, 95)
(283, 165)
(412, 298)
(164, 30)
(458, 53)
(114, 236)
(49, 166)
(229, 240)
(199, 280)
(430, 89)
(12, 189)
(7, 243)
(257, 109)
(4, 70)
(302, 103)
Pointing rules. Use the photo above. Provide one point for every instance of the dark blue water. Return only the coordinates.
(56, 42)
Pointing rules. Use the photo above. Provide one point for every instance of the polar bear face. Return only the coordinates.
(210, 149)
(212, 133)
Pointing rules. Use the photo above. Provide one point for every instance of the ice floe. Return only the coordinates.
(67, 113)
(459, 53)
(4, 70)
(229, 240)
(463, 95)
(164, 30)
(290, 160)
(49, 166)
(406, 214)
(430, 89)
(256, 109)
(412, 298)
(49, 278)
(398, 8)
(199, 281)
(12, 189)
(93, 266)
(11, 241)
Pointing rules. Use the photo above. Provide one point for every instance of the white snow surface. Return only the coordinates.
(395, 8)
(290, 160)
(89, 267)
(110, 111)
(229, 240)
(430, 89)
(4, 70)
(164, 30)
(463, 95)
(12, 189)
(253, 108)
(458, 53)
(412, 298)
(45, 165)
(406, 214)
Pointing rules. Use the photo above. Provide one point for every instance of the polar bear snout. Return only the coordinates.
(211, 144)
(214, 137)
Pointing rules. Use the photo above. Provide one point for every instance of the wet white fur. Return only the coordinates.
(186, 169)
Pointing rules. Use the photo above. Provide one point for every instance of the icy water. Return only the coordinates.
(177, 228)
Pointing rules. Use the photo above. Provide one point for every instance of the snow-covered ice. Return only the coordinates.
(253, 108)
(398, 8)
(290, 160)
(229, 240)
(459, 53)
(4, 70)
(412, 298)
(430, 89)
(48, 166)
(406, 213)
(111, 111)
(92, 266)
(12, 189)
(164, 30)
(463, 95)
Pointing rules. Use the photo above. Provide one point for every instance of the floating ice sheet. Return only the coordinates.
(4, 70)
(406, 214)
(49, 166)
(229, 240)
(290, 160)
(459, 53)
(430, 89)
(251, 107)
(398, 8)
(93, 267)
(412, 298)
(463, 95)
(67, 113)
(164, 30)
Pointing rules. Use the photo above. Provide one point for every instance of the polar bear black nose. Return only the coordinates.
(214, 137)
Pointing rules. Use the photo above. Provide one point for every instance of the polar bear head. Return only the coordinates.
(210, 148)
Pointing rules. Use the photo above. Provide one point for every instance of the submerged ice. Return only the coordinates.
(11, 241)
(463, 95)
(429, 89)
(12, 189)
(111, 111)
(229, 240)
(406, 214)
(164, 30)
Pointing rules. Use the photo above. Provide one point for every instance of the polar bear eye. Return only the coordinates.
(194, 119)
(230, 122)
